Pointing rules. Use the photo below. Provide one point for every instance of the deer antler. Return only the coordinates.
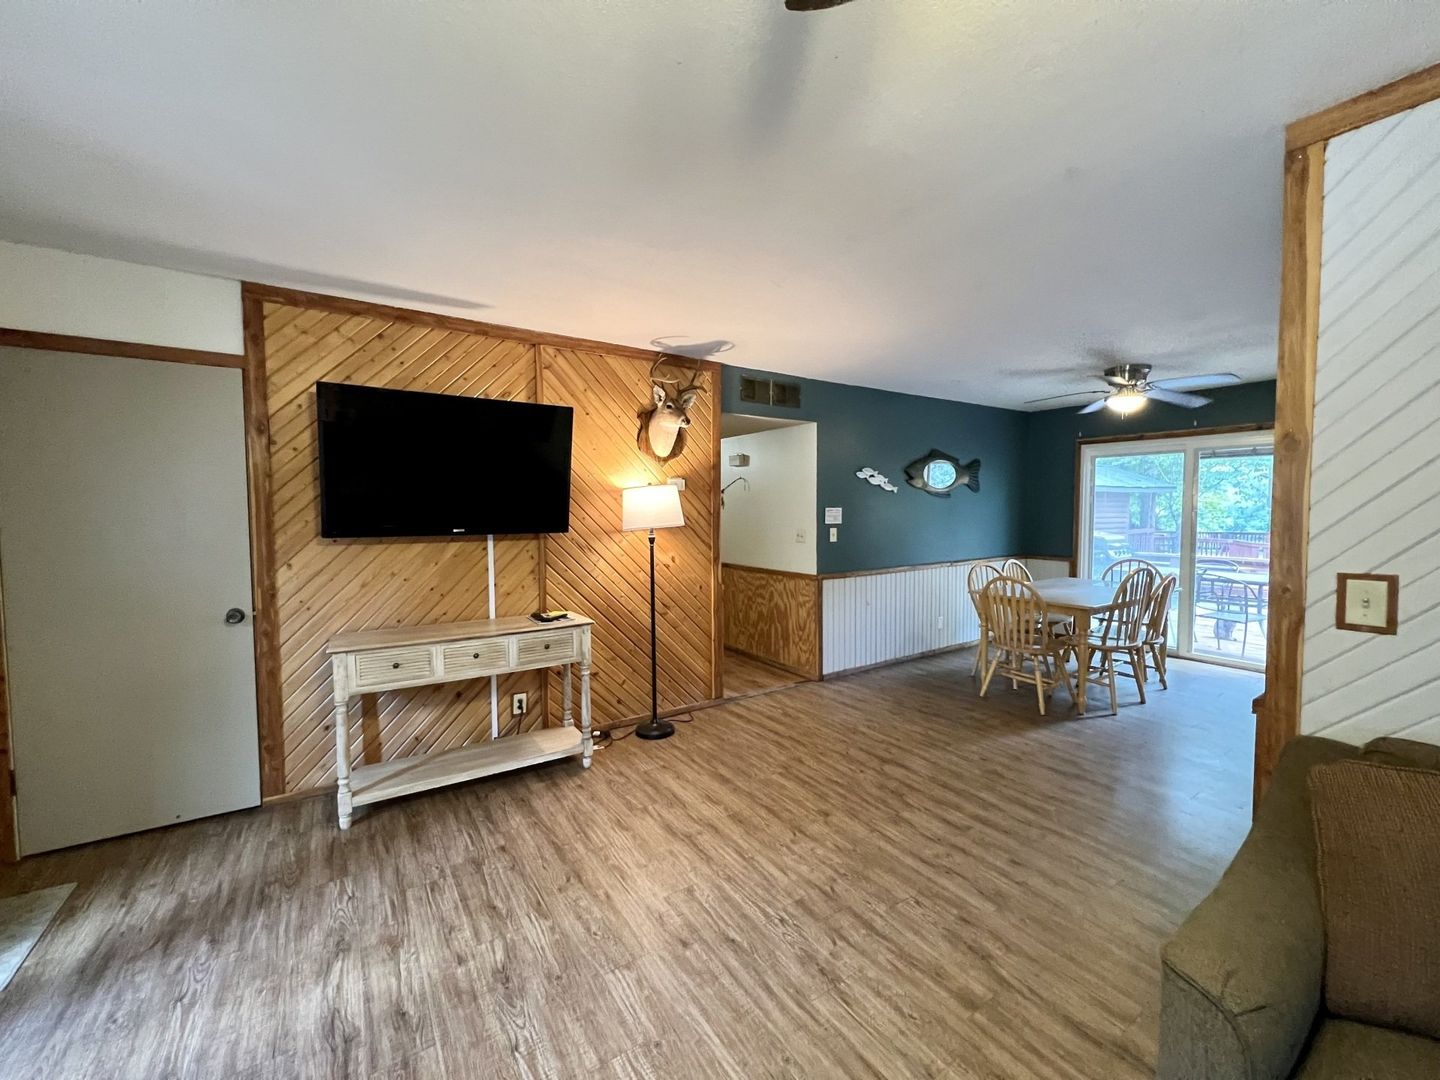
(695, 374)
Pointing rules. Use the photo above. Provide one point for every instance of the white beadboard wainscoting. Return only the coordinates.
(1375, 461)
(889, 615)
(1040, 569)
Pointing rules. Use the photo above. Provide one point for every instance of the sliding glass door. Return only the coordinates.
(1197, 507)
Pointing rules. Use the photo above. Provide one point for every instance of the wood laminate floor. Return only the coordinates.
(744, 675)
(875, 876)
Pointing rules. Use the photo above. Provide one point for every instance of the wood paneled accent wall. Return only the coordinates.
(322, 587)
(773, 615)
(605, 573)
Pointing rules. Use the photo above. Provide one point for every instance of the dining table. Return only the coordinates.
(1080, 599)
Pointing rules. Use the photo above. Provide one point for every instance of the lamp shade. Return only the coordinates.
(653, 507)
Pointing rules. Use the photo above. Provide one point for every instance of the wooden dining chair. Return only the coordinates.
(1157, 628)
(981, 574)
(1116, 571)
(1016, 569)
(1121, 635)
(1020, 633)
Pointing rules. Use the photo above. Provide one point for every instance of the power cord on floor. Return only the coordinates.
(602, 739)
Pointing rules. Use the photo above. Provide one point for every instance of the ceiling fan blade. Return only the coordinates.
(1174, 397)
(812, 5)
(1197, 382)
(1062, 397)
(1094, 406)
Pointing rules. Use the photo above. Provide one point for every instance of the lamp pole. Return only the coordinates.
(654, 728)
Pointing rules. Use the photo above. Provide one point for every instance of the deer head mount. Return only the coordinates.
(663, 423)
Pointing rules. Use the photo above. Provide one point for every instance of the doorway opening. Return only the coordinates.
(1198, 507)
(768, 546)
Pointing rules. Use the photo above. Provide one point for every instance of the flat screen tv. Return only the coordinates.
(405, 463)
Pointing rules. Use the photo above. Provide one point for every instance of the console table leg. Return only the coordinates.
(569, 715)
(587, 745)
(342, 751)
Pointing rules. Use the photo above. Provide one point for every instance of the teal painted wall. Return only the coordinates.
(858, 427)
(1048, 525)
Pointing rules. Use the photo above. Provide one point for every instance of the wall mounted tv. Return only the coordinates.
(405, 463)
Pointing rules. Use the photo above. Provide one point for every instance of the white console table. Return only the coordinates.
(372, 661)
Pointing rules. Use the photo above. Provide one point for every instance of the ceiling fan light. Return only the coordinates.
(1125, 402)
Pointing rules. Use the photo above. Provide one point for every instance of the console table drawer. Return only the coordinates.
(393, 665)
(466, 658)
(557, 647)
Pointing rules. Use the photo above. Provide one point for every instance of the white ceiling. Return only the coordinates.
(963, 198)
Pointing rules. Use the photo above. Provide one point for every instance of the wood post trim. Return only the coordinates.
(1277, 719)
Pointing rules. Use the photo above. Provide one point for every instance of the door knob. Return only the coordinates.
(234, 617)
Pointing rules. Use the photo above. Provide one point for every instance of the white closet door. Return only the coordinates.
(123, 542)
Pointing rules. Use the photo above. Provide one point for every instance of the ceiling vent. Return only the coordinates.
(785, 395)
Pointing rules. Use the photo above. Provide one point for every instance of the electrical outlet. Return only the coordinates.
(799, 536)
(519, 703)
(939, 622)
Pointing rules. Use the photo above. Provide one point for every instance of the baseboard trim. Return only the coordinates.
(808, 676)
(900, 660)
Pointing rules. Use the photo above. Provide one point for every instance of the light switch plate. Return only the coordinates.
(834, 535)
(1367, 603)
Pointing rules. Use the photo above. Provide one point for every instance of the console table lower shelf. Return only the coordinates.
(374, 661)
(406, 776)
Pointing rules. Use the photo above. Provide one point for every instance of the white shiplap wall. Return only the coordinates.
(889, 615)
(1375, 471)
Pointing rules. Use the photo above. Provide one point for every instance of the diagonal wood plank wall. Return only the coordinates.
(325, 586)
(595, 568)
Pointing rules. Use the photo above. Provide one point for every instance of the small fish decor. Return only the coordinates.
(939, 473)
(870, 476)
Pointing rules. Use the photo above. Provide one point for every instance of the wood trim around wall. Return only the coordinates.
(1405, 93)
(922, 566)
(269, 708)
(1277, 718)
(345, 305)
(131, 350)
(717, 590)
(767, 570)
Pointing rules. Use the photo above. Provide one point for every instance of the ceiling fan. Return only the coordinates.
(812, 5)
(1131, 387)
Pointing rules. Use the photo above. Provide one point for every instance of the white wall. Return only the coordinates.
(57, 292)
(759, 525)
(1375, 469)
(891, 614)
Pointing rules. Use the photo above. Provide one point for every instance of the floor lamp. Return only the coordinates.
(651, 508)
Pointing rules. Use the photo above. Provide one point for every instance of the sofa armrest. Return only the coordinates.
(1241, 978)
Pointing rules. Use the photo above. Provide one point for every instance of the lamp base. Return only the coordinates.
(655, 729)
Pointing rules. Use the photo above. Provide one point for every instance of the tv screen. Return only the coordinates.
(404, 463)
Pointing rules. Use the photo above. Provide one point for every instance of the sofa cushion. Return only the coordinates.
(1345, 1050)
(1388, 750)
(1377, 839)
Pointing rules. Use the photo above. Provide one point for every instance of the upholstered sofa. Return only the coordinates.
(1244, 986)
